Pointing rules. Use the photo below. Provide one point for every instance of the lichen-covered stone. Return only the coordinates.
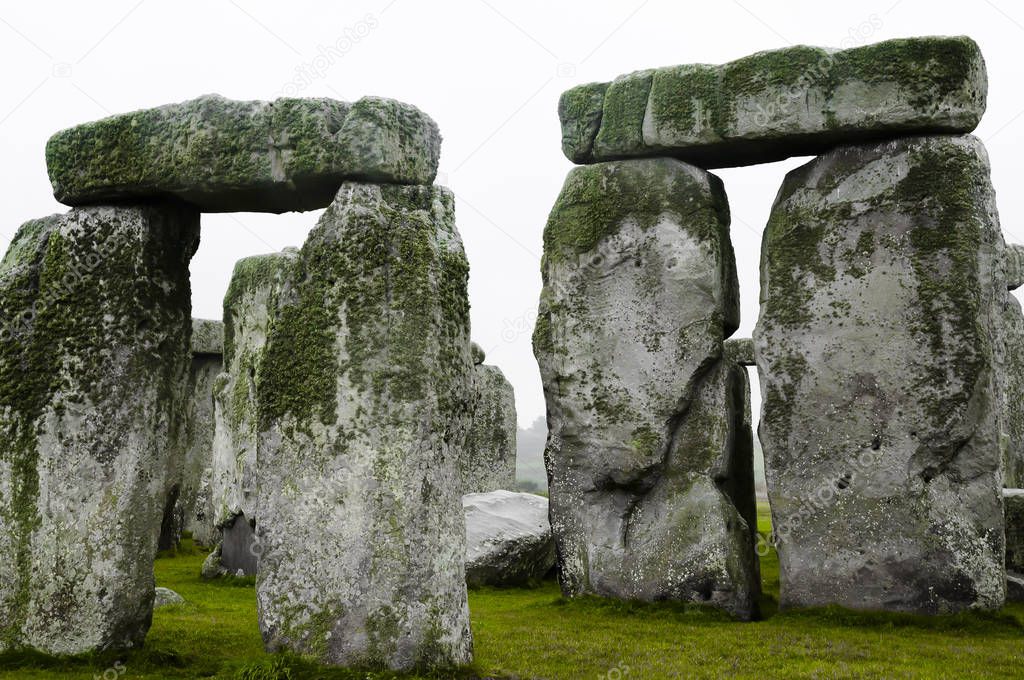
(165, 597)
(93, 387)
(225, 156)
(189, 504)
(363, 401)
(252, 295)
(478, 353)
(651, 486)
(508, 538)
(740, 351)
(207, 336)
(877, 347)
(772, 105)
(490, 460)
(1013, 393)
(1014, 266)
(1013, 509)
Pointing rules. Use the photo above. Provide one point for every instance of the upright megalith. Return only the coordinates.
(223, 155)
(772, 105)
(94, 370)
(1013, 393)
(189, 504)
(490, 454)
(248, 304)
(650, 473)
(362, 398)
(878, 352)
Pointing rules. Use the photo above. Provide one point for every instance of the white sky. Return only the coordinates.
(489, 71)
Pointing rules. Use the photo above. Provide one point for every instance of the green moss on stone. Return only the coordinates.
(597, 199)
(625, 103)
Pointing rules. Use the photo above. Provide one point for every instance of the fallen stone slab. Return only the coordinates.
(651, 488)
(228, 156)
(880, 421)
(363, 398)
(796, 101)
(95, 359)
(490, 461)
(508, 538)
(1014, 587)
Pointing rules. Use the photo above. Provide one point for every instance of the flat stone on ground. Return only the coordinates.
(508, 538)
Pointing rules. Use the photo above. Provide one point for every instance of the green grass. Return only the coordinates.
(538, 634)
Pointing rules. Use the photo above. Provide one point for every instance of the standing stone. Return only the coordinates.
(490, 461)
(252, 294)
(362, 399)
(189, 506)
(876, 347)
(1013, 507)
(93, 384)
(1013, 372)
(651, 475)
(796, 101)
(225, 156)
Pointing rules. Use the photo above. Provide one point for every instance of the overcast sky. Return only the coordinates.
(490, 72)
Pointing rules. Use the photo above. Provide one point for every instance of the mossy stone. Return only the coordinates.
(880, 353)
(228, 156)
(768, 106)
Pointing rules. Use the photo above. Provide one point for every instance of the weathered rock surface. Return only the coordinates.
(225, 156)
(165, 597)
(1013, 393)
(740, 351)
(880, 298)
(651, 476)
(93, 384)
(796, 101)
(508, 538)
(1013, 508)
(363, 396)
(189, 504)
(252, 293)
(1014, 266)
(490, 461)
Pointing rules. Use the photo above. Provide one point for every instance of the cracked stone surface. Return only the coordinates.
(881, 295)
(93, 387)
(228, 156)
(797, 101)
(650, 467)
(363, 404)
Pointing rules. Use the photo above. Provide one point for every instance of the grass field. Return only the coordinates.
(538, 634)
